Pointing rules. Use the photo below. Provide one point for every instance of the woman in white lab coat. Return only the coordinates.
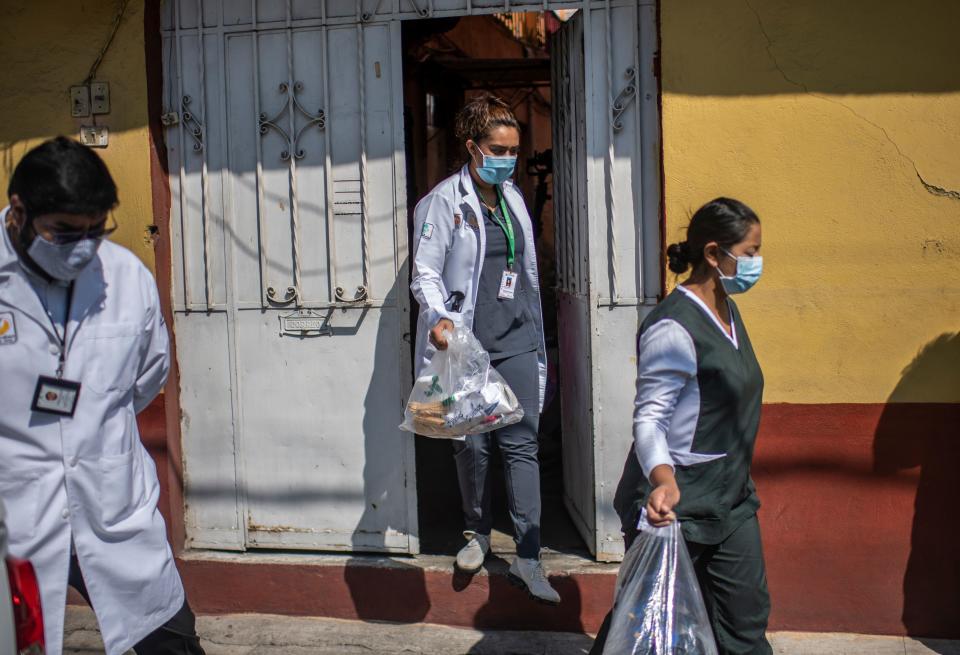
(83, 348)
(475, 265)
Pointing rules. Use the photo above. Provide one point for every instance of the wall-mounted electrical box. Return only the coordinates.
(100, 98)
(95, 136)
(79, 101)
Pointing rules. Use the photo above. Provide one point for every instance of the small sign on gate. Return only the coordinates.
(305, 323)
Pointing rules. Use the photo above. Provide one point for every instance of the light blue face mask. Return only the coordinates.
(63, 261)
(748, 272)
(496, 170)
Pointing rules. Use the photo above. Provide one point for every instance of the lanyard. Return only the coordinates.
(66, 324)
(507, 226)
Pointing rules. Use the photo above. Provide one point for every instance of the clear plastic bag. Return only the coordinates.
(459, 393)
(658, 608)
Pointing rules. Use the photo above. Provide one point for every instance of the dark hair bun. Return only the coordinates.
(678, 257)
(723, 221)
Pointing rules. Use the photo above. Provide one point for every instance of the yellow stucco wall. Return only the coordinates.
(50, 45)
(839, 123)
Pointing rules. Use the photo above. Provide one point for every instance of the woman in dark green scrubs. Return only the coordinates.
(697, 411)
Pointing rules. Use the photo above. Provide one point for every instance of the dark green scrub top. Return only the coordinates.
(716, 497)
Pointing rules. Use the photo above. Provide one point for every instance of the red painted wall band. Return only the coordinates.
(857, 519)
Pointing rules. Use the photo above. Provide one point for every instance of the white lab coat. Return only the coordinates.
(88, 476)
(450, 245)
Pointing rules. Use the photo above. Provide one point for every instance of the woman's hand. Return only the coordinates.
(663, 498)
(436, 334)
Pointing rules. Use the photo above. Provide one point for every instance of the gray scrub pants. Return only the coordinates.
(518, 448)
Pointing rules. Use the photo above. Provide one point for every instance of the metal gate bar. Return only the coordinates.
(204, 178)
(258, 111)
(297, 290)
(184, 247)
(610, 173)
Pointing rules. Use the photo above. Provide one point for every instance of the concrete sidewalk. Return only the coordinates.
(264, 634)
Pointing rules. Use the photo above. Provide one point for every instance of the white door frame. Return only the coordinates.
(617, 229)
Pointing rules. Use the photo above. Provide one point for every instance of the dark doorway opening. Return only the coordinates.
(447, 61)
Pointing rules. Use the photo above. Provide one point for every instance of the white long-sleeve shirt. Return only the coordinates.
(667, 406)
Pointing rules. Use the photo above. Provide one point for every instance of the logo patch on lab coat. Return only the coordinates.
(8, 329)
(427, 230)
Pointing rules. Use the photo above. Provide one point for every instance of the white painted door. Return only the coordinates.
(573, 274)
(607, 200)
(286, 158)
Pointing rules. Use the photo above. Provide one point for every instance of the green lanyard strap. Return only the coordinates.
(507, 226)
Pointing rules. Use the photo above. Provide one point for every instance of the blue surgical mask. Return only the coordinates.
(63, 261)
(496, 170)
(748, 272)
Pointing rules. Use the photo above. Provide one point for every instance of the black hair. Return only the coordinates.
(723, 220)
(60, 176)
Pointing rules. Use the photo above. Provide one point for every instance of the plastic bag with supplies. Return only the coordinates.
(459, 392)
(658, 608)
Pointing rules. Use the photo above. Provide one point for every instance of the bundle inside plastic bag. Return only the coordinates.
(459, 393)
(658, 608)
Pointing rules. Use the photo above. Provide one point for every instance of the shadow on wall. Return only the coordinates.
(383, 590)
(508, 608)
(854, 47)
(919, 427)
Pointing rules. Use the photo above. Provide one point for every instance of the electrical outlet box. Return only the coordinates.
(94, 136)
(100, 98)
(79, 101)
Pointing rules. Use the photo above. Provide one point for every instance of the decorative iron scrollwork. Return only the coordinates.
(360, 296)
(624, 98)
(291, 104)
(291, 295)
(422, 13)
(365, 16)
(191, 124)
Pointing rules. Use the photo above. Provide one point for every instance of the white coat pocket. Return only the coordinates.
(21, 498)
(122, 488)
(110, 356)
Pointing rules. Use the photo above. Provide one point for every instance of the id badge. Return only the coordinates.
(55, 396)
(508, 285)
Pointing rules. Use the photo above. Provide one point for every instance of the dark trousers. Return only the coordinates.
(518, 447)
(178, 636)
(733, 580)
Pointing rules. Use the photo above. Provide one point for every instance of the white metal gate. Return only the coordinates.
(573, 273)
(291, 312)
(607, 200)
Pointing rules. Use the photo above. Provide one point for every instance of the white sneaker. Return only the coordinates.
(529, 573)
(470, 558)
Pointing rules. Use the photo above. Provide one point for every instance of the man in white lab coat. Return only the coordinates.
(83, 348)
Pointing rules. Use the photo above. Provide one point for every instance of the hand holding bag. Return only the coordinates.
(459, 393)
(658, 608)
